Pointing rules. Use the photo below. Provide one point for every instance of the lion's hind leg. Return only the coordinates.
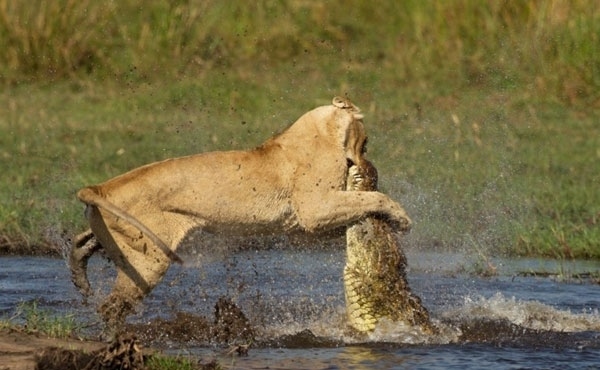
(138, 272)
(84, 246)
(121, 302)
(140, 264)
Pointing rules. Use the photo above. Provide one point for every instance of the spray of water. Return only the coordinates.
(528, 314)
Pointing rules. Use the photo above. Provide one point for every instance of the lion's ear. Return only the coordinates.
(344, 103)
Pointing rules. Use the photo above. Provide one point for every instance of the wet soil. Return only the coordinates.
(229, 327)
(21, 247)
(21, 350)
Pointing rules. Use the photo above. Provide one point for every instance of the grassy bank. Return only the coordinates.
(483, 117)
(51, 340)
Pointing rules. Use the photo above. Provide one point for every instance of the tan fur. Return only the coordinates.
(294, 182)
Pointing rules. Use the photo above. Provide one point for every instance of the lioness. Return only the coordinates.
(295, 181)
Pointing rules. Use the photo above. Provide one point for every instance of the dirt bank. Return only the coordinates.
(19, 350)
(21, 247)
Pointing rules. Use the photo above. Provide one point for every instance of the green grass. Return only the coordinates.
(499, 43)
(159, 362)
(33, 319)
(483, 117)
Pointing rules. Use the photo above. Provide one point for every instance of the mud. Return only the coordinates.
(21, 350)
(229, 327)
(10, 246)
(125, 352)
(122, 353)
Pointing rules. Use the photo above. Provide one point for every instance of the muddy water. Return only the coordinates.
(510, 320)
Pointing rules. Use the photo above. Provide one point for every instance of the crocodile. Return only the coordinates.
(375, 280)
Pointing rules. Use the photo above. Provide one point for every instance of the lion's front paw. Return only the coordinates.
(400, 221)
(402, 225)
(405, 225)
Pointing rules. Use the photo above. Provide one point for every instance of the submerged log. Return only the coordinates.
(375, 273)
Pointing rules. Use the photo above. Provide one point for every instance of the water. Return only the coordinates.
(511, 320)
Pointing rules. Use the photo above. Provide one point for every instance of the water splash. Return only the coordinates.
(528, 314)
(397, 332)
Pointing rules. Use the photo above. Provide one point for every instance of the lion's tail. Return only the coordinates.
(90, 197)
